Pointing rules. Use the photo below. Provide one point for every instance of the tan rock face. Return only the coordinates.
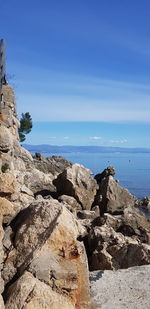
(1, 254)
(40, 220)
(6, 209)
(7, 183)
(46, 245)
(30, 293)
(76, 181)
(61, 262)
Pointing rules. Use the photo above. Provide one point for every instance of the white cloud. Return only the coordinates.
(66, 137)
(95, 138)
(52, 137)
(122, 141)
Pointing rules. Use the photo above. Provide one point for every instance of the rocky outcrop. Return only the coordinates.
(111, 197)
(76, 181)
(54, 165)
(112, 250)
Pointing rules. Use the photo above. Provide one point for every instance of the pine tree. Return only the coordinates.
(25, 126)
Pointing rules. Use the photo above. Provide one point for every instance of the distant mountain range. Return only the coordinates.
(86, 149)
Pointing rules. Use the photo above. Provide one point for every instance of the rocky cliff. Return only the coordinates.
(56, 221)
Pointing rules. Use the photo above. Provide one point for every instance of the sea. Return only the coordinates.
(132, 169)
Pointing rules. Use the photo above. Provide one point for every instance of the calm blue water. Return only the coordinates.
(133, 175)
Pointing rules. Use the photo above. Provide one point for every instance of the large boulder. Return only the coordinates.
(113, 198)
(76, 181)
(28, 292)
(46, 245)
(37, 181)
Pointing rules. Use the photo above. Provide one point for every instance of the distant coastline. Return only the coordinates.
(85, 149)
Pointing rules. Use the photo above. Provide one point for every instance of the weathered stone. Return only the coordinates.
(109, 171)
(28, 292)
(76, 181)
(70, 273)
(5, 139)
(26, 190)
(87, 214)
(37, 224)
(114, 197)
(128, 288)
(37, 181)
(24, 155)
(1, 254)
(71, 201)
(2, 306)
(6, 209)
(9, 269)
(7, 184)
(111, 250)
(54, 165)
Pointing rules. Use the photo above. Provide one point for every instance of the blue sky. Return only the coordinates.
(81, 68)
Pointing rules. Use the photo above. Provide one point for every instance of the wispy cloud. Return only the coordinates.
(119, 141)
(95, 138)
(66, 137)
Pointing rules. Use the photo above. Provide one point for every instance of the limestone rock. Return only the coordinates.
(6, 209)
(61, 262)
(30, 293)
(128, 288)
(111, 250)
(54, 165)
(39, 221)
(5, 139)
(7, 184)
(2, 306)
(114, 197)
(109, 171)
(1, 254)
(71, 201)
(37, 181)
(76, 181)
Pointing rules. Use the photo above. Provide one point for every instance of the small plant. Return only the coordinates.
(4, 167)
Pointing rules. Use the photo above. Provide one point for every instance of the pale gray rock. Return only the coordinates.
(26, 190)
(71, 201)
(112, 250)
(76, 181)
(2, 306)
(37, 224)
(128, 288)
(37, 181)
(5, 139)
(54, 165)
